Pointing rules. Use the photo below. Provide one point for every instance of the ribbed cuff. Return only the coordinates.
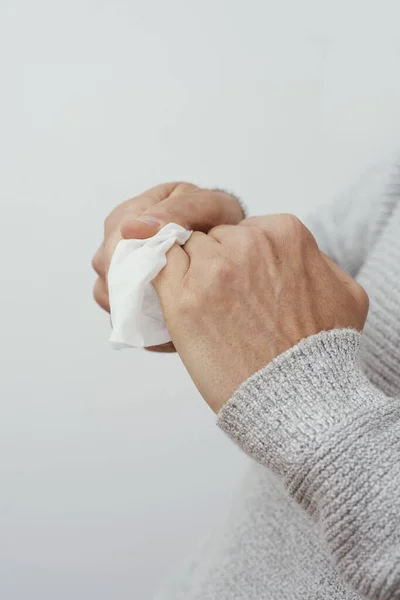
(316, 420)
(283, 410)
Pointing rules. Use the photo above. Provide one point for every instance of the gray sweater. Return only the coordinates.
(318, 516)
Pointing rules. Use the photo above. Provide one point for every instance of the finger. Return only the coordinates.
(163, 348)
(134, 207)
(126, 212)
(201, 246)
(98, 262)
(283, 229)
(100, 294)
(199, 209)
(221, 232)
(274, 223)
(169, 279)
(110, 243)
(234, 233)
(262, 222)
(196, 209)
(140, 224)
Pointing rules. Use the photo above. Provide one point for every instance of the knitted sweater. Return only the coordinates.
(318, 515)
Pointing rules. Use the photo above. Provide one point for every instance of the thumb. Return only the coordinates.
(140, 228)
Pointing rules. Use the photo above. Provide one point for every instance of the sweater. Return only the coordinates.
(318, 514)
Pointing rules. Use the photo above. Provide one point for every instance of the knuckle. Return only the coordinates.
(188, 303)
(216, 276)
(295, 232)
(185, 186)
(180, 188)
(253, 221)
(254, 239)
(254, 235)
(362, 298)
(292, 224)
(221, 271)
(228, 204)
(100, 295)
(113, 219)
(107, 222)
(97, 263)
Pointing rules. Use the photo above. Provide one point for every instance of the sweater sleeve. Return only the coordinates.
(314, 419)
(347, 227)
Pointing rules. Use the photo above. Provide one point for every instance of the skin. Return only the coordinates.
(240, 295)
(142, 216)
(235, 299)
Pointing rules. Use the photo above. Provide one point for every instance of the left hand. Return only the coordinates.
(142, 216)
(238, 297)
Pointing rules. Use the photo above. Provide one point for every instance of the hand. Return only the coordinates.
(143, 216)
(238, 297)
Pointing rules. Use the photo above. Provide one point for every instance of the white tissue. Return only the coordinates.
(136, 315)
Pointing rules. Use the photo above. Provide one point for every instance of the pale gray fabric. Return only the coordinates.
(318, 516)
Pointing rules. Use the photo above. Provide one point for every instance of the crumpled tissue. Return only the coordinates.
(136, 316)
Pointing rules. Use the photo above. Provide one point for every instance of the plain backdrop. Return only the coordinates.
(111, 466)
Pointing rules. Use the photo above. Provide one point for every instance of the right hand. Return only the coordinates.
(236, 298)
(141, 217)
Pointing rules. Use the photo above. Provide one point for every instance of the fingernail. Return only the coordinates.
(148, 220)
(140, 228)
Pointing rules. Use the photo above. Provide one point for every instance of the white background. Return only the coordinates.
(110, 465)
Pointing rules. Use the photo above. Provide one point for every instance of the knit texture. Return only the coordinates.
(318, 516)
